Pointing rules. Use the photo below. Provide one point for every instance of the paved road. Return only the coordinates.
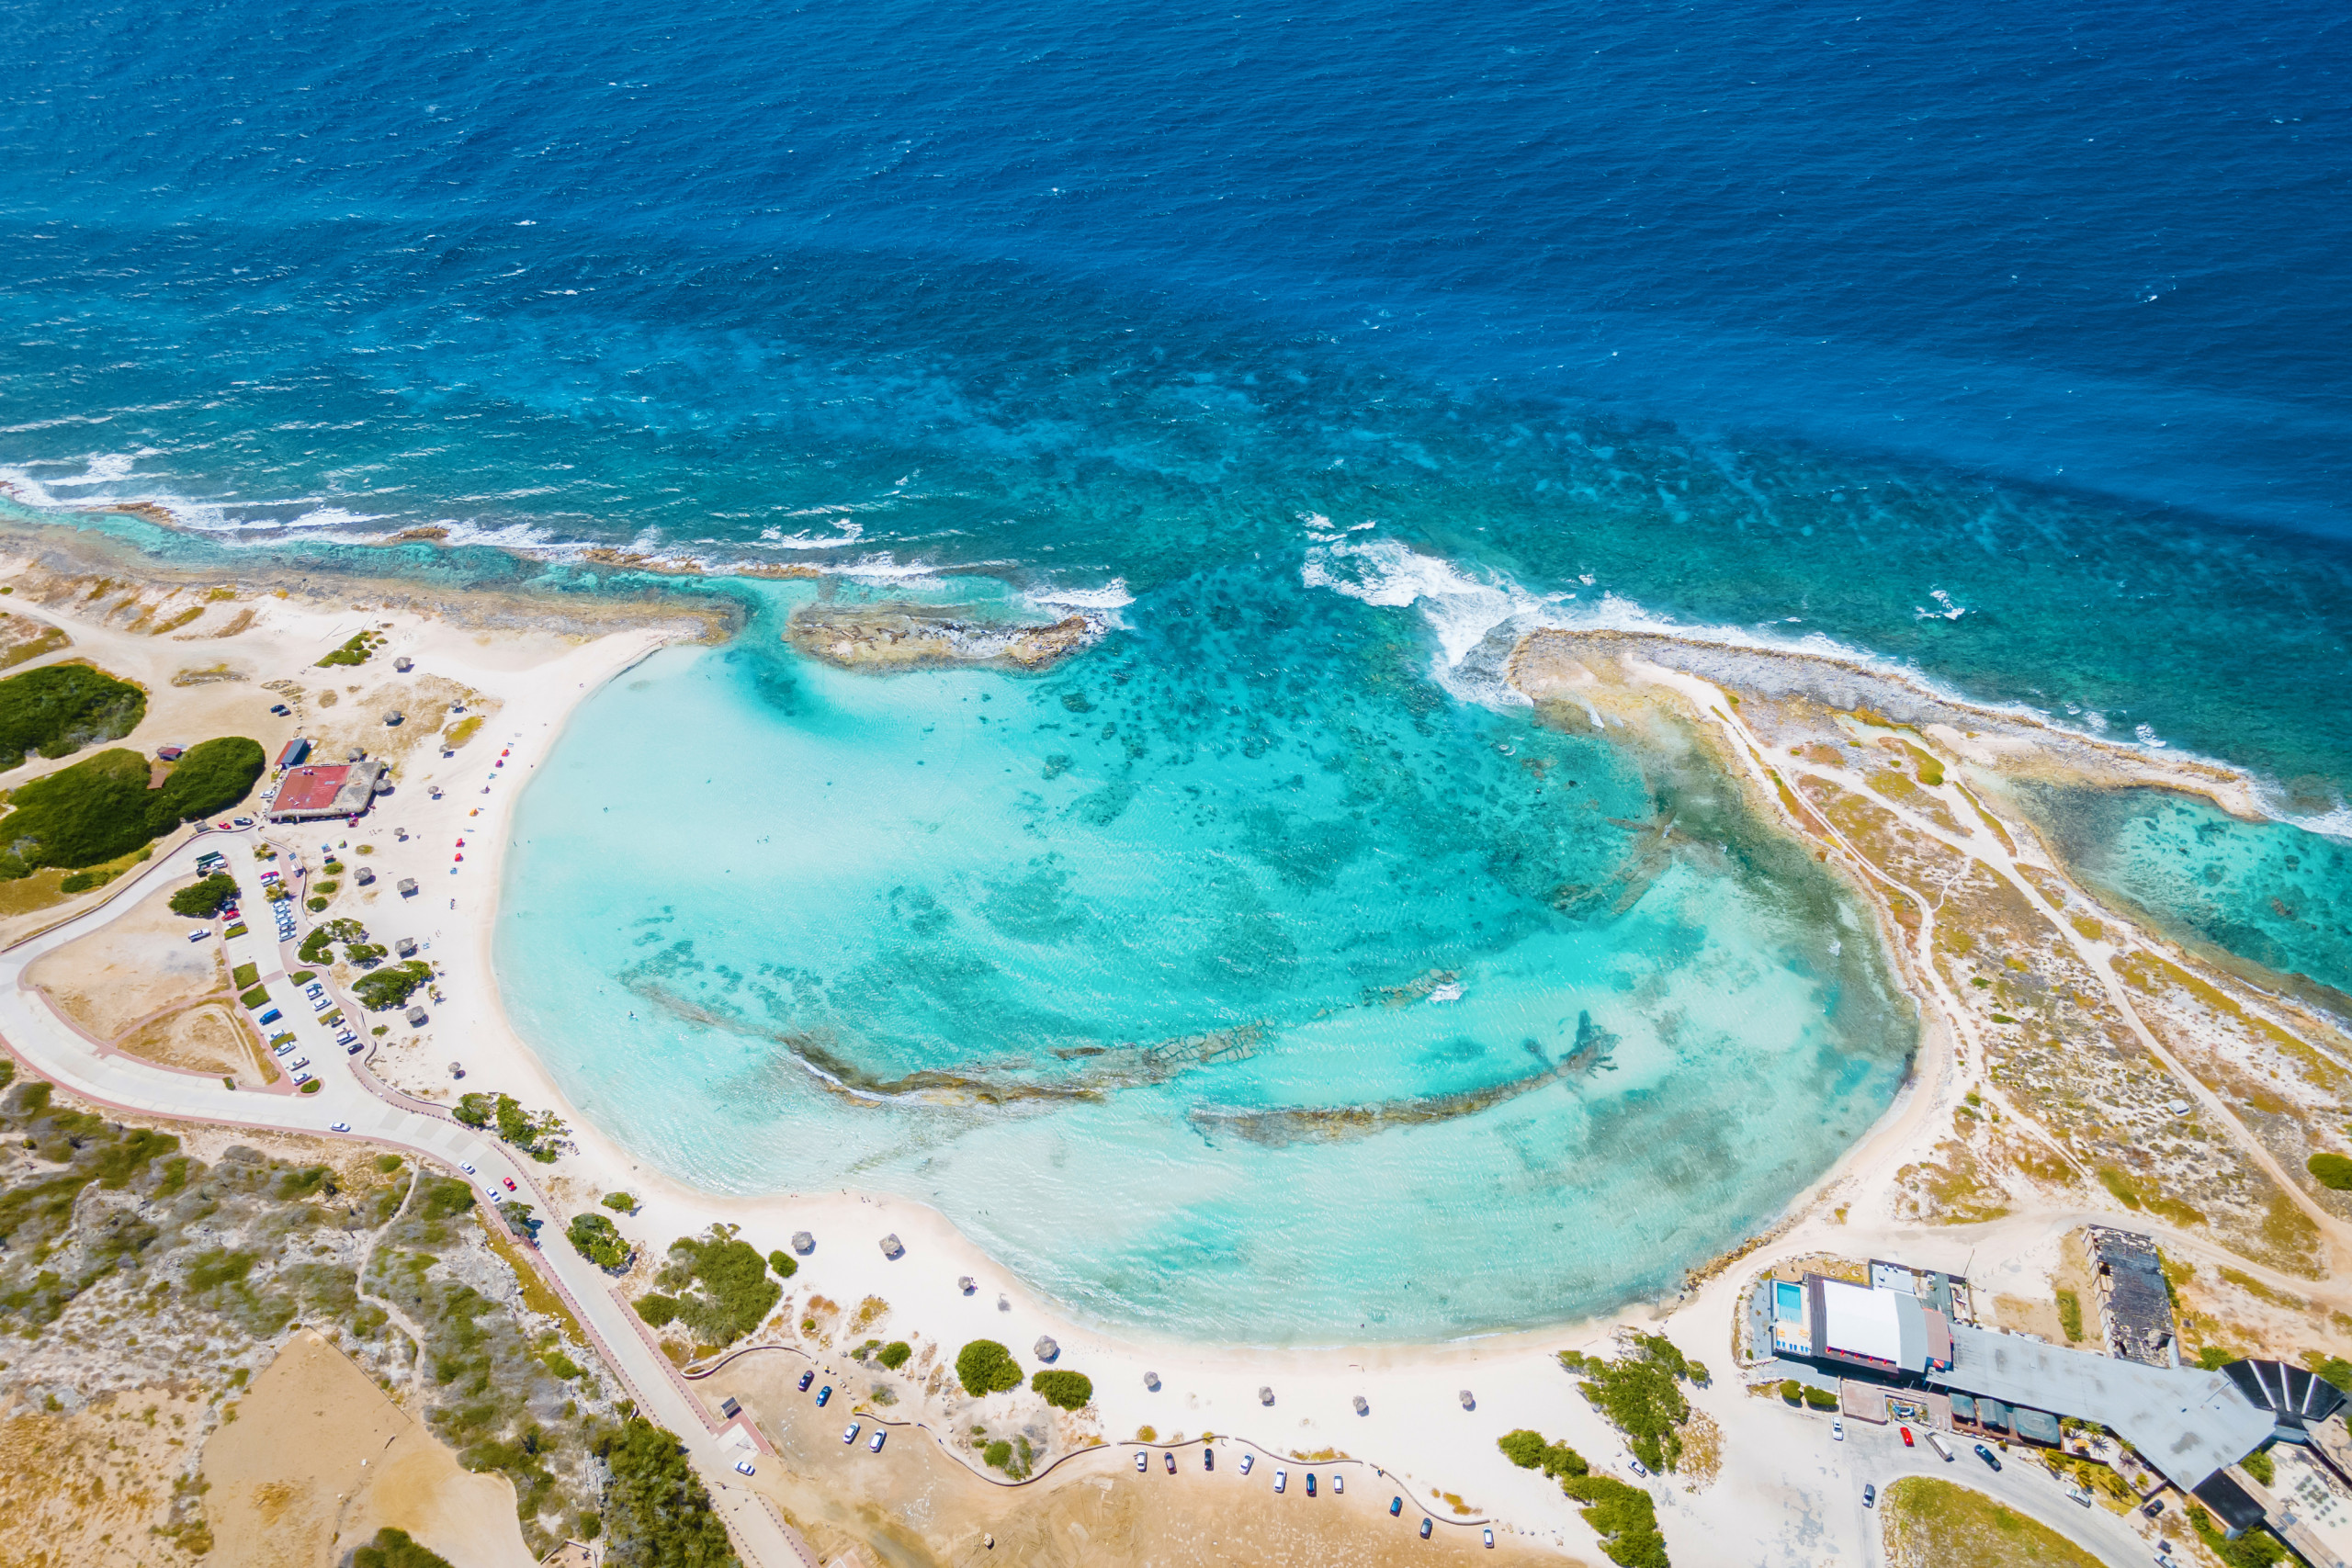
(1876, 1454)
(57, 1050)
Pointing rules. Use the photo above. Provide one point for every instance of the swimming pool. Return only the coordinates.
(1788, 1302)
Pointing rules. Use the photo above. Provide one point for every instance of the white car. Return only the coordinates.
(851, 1436)
(874, 1445)
(470, 1170)
(1836, 1430)
(299, 1064)
(745, 1467)
(1639, 1468)
(338, 1126)
(290, 1045)
(1246, 1460)
(1490, 1540)
(301, 1079)
(1282, 1480)
(1143, 1461)
(198, 936)
(1338, 1484)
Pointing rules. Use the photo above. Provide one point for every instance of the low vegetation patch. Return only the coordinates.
(356, 651)
(985, 1367)
(101, 809)
(537, 1133)
(56, 711)
(1641, 1395)
(379, 991)
(620, 1203)
(203, 899)
(784, 1263)
(1930, 1524)
(599, 1241)
(1622, 1516)
(2331, 1171)
(656, 1514)
(1063, 1390)
(896, 1354)
(393, 1549)
(717, 1286)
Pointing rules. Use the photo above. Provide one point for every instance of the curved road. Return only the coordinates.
(55, 1049)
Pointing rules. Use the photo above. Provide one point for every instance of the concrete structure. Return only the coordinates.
(2189, 1425)
(2134, 1308)
(320, 790)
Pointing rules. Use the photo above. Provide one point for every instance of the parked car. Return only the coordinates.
(1837, 1430)
(745, 1467)
(272, 1016)
(1338, 1484)
(1639, 1468)
(245, 821)
(470, 1170)
(199, 935)
(338, 1126)
(1425, 1529)
(1246, 1460)
(510, 1183)
(1282, 1480)
(299, 1063)
(1907, 1436)
(1869, 1495)
(1396, 1506)
(824, 1395)
(1172, 1462)
(1988, 1456)
(1208, 1458)
(1143, 1461)
(285, 1044)
(1490, 1540)
(850, 1435)
(806, 1379)
(874, 1445)
(301, 1079)
(1310, 1483)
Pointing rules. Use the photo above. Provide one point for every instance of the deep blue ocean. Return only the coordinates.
(2003, 343)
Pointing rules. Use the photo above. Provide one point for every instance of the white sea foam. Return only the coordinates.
(851, 533)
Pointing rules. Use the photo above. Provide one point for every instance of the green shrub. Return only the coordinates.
(722, 1286)
(785, 1264)
(2255, 1548)
(985, 1367)
(599, 1241)
(561, 1366)
(1623, 1516)
(656, 1514)
(203, 899)
(100, 808)
(58, 710)
(658, 1310)
(998, 1454)
(356, 652)
(303, 976)
(381, 989)
(393, 1549)
(1820, 1399)
(1528, 1451)
(310, 1088)
(895, 1354)
(245, 975)
(314, 905)
(255, 996)
(2331, 1171)
(2070, 1316)
(1062, 1390)
(1639, 1396)
(83, 881)
(620, 1203)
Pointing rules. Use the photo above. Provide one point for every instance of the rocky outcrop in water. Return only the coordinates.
(917, 636)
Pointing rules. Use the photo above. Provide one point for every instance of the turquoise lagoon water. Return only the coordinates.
(1233, 979)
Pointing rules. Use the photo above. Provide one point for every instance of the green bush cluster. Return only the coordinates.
(1622, 1516)
(356, 652)
(2331, 1171)
(1015, 1457)
(393, 1549)
(619, 1202)
(58, 710)
(536, 1132)
(100, 808)
(656, 1514)
(319, 946)
(1063, 1390)
(2255, 1548)
(599, 1241)
(896, 1354)
(380, 990)
(721, 1285)
(985, 1367)
(1640, 1395)
(784, 1263)
(203, 899)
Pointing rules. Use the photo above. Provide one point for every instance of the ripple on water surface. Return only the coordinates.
(1231, 980)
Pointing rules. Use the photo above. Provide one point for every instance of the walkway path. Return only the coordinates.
(350, 1104)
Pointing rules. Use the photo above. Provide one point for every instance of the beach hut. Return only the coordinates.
(170, 754)
(405, 946)
(891, 1248)
(407, 886)
(404, 664)
(1151, 1381)
(1046, 1349)
(416, 1018)
(1265, 1397)
(364, 877)
(1468, 1402)
(967, 1284)
(394, 719)
(803, 1243)
(1364, 1405)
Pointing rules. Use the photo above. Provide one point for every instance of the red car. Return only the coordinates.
(1905, 1430)
(510, 1184)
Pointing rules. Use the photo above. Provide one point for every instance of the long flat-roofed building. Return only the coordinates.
(326, 789)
